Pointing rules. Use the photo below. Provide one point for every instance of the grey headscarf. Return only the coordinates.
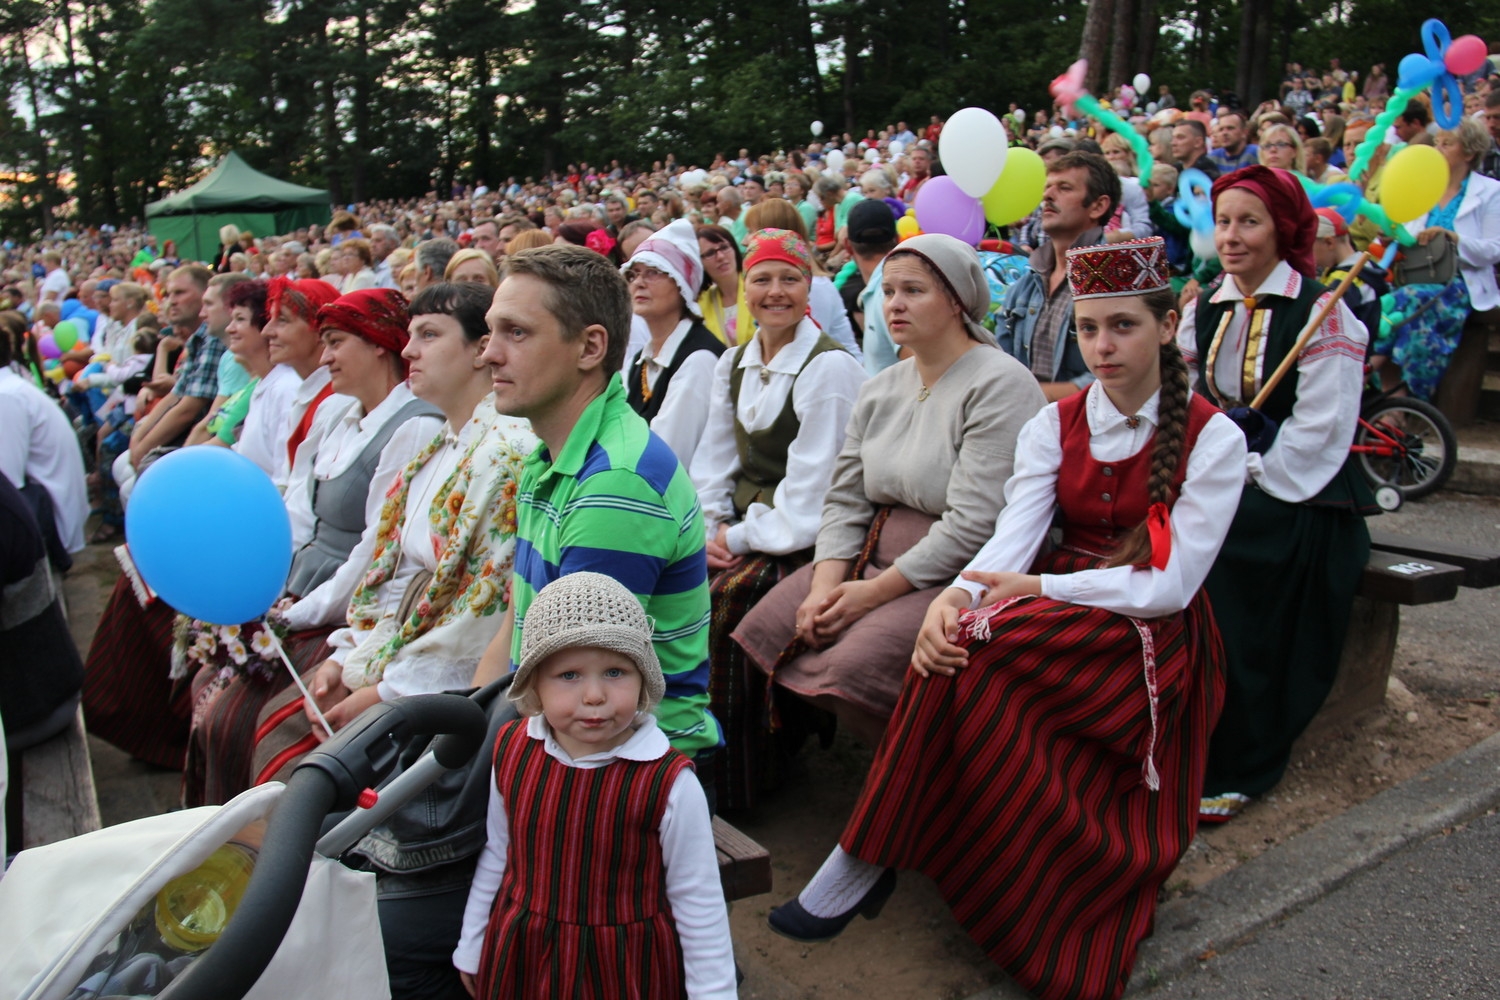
(957, 264)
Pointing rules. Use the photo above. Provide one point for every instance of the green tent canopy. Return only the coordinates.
(233, 193)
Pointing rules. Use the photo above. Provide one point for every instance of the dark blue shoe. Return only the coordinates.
(791, 919)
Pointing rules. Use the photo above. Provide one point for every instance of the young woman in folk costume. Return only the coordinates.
(1283, 587)
(1046, 755)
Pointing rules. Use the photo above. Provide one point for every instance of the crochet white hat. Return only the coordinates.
(588, 609)
(673, 250)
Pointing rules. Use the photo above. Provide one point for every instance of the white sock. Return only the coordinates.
(839, 885)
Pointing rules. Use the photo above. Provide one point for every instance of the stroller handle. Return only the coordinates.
(328, 780)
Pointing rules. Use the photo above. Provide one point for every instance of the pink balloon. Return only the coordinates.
(1466, 55)
(48, 347)
(942, 207)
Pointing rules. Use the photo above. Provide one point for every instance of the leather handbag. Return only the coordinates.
(1433, 264)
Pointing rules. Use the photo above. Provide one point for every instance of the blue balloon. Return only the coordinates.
(1194, 206)
(210, 534)
(70, 308)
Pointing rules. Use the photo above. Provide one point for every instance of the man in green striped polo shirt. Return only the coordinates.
(602, 492)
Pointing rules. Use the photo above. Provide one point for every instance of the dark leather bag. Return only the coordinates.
(1433, 264)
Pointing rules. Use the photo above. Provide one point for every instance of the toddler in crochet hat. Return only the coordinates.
(599, 837)
(580, 626)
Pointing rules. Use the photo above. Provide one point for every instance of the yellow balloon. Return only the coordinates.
(1412, 182)
(907, 227)
(1018, 189)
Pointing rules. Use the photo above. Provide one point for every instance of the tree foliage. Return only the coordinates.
(113, 103)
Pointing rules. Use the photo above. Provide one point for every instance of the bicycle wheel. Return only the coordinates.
(1413, 448)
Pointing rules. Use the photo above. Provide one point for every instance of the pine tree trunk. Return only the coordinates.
(1094, 46)
(1147, 26)
(1121, 45)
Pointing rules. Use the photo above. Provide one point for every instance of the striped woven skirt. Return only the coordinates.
(221, 744)
(1023, 784)
(129, 698)
(736, 688)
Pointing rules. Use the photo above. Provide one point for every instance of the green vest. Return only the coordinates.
(763, 452)
(1347, 489)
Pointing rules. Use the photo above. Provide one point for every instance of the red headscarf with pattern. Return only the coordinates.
(778, 244)
(304, 297)
(377, 315)
(1291, 211)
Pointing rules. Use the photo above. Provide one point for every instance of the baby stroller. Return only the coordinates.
(56, 944)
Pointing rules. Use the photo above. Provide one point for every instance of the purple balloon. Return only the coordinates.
(48, 347)
(943, 207)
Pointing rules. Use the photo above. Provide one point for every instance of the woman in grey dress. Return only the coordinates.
(915, 493)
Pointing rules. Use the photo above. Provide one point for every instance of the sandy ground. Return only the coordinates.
(1444, 696)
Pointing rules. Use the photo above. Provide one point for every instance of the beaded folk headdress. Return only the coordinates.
(1118, 269)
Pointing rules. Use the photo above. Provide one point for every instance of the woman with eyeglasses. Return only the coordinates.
(1281, 147)
(722, 301)
(663, 276)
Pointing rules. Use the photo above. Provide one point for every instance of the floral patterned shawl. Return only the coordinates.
(473, 529)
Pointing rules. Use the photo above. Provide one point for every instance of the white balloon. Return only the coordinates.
(835, 159)
(1142, 83)
(1150, 107)
(817, 128)
(1055, 132)
(872, 155)
(1203, 245)
(897, 147)
(1020, 117)
(973, 150)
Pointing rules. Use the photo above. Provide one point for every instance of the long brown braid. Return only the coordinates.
(1134, 548)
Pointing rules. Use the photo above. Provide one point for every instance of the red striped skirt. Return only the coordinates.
(221, 745)
(1020, 784)
(129, 698)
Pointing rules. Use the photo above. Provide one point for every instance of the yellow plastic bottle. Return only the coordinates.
(193, 909)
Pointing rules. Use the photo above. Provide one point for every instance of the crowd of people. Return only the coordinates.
(711, 461)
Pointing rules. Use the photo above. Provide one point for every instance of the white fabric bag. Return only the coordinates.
(62, 904)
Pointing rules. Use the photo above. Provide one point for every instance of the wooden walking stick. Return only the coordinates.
(1307, 332)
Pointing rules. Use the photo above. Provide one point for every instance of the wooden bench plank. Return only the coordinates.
(1390, 576)
(744, 866)
(57, 788)
(1481, 566)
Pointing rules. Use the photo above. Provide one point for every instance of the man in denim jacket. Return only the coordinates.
(1036, 324)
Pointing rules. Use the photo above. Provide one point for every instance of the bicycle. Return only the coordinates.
(1406, 447)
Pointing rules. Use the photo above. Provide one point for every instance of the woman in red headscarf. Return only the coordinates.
(1283, 585)
(368, 430)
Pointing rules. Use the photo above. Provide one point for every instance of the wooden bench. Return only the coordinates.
(744, 866)
(58, 799)
(1402, 570)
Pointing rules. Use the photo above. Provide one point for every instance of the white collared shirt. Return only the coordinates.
(684, 412)
(263, 435)
(345, 435)
(690, 863)
(301, 400)
(1200, 518)
(37, 444)
(1312, 445)
(826, 393)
